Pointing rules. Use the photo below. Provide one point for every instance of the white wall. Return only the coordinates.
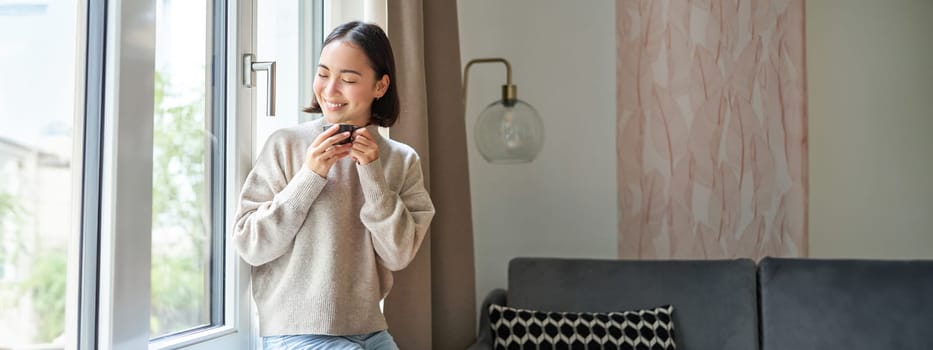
(870, 80)
(870, 97)
(563, 61)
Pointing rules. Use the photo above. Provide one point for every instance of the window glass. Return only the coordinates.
(182, 180)
(37, 169)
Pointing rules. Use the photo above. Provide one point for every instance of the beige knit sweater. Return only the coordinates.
(322, 249)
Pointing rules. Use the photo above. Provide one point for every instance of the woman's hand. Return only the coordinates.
(324, 152)
(365, 148)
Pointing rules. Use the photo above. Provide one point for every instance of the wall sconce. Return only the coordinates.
(508, 130)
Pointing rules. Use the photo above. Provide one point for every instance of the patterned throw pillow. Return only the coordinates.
(651, 329)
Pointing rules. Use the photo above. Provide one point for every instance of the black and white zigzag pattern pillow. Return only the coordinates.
(529, 329)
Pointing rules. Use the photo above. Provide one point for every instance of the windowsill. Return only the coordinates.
(185, 340)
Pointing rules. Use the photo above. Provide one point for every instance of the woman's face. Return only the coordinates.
(345, 85)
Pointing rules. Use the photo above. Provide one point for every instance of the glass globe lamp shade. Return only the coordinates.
(509, 132)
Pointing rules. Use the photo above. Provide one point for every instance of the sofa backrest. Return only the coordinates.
(846, 304)
(715, 301)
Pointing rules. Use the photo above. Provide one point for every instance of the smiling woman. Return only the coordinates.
(325, 223)
(353, 77)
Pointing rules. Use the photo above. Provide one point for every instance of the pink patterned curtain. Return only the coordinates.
(711, 129)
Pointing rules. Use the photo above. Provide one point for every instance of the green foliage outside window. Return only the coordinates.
(46, 285)
(180, 286)
(7, 215)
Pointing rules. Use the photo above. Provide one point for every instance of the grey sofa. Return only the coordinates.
(735, 304)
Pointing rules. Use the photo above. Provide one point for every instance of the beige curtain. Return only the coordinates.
(432, 305)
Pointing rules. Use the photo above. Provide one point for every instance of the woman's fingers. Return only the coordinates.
(336, 152)
(320, 159)
(363, 138)
(327, 134)
(365, 149)
(333, 140)
(328, 148)
(364, 132)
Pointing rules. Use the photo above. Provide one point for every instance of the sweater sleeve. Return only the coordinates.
(271, 208)
(397, 222)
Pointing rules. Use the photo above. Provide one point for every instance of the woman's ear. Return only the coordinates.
(382, 85)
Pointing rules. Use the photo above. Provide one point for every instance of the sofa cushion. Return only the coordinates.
(532, 329)
(716, 300)
(846, 304)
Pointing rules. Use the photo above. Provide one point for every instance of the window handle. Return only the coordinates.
(249, 76)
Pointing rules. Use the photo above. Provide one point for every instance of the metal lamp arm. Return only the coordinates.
(508, 90)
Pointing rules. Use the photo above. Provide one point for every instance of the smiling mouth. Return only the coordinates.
(331, 105)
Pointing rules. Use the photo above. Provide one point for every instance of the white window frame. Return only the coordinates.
(126, 198)
(123, 291)
(236, 330)
(114, 287)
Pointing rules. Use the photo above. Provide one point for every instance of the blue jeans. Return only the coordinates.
(373, 341)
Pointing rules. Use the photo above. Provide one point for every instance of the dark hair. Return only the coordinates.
(375, 44)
